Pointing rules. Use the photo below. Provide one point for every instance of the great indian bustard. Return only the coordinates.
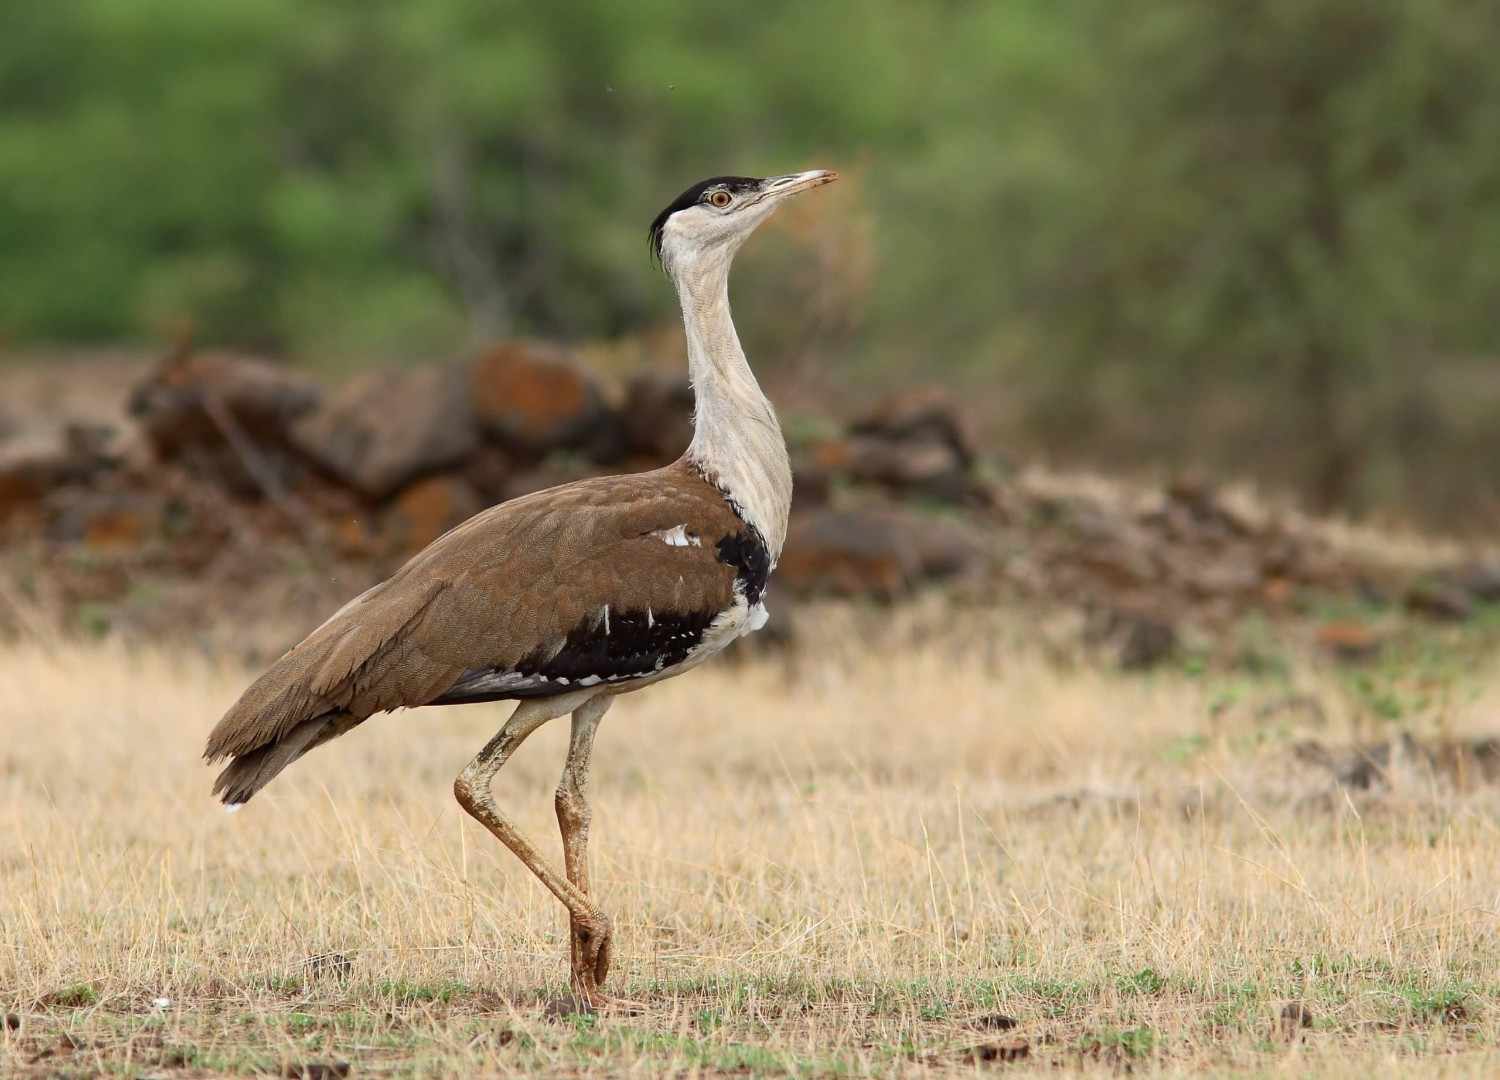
(566, 598)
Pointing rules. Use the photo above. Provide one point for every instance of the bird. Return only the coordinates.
(564, 599)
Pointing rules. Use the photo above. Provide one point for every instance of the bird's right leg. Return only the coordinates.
(573, 817)
(472, 789)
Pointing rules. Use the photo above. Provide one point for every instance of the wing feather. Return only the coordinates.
(509, 584)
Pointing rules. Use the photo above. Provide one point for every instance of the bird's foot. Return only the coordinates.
(591, 948)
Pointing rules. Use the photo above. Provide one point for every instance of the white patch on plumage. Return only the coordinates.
(732, 623)
(677, 536)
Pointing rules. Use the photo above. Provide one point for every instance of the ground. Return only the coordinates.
(874, 858)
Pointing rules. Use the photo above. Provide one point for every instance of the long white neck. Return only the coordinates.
(737, 442)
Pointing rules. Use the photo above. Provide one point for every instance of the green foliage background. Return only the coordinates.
(1185, 230)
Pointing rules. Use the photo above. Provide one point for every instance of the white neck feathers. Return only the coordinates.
(737, 442)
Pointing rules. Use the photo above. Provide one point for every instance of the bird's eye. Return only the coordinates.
(720, 198)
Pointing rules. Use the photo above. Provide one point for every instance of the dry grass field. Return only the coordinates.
(913, 861)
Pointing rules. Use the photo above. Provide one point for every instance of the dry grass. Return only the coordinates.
(857, 870)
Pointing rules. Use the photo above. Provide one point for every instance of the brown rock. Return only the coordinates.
(915, 467)
(186, 400)
(352, 536)
(427, 509)
(1193, 511)
(535, 398)
(225, 419)
(103, 521)
(384, 429)
(33, 465)
(658, 416)
(491, 471)
(1439, 600)
(1348, 640)
(1146, 642)
(1469, 761)
(843, 554)
(812, 487)
(1480, 579)
(920, 414)
(872, 552)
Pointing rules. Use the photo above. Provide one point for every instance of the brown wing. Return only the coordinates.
(525, 591)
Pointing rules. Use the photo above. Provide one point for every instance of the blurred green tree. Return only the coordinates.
(1296, 202)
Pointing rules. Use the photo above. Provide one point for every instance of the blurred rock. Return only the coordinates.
(838, 553)
(658, 416)
(1121, 559)
(1192, 510)
(1349, 640)
(1140, 639)
(34, 464)
(811, 487)
(104, 521)
(1231, 571)
(931, 469)
(1439, 600)
(1468, 762)
(1479, 579)
(187, 401)
(1145, 641)
(384, 429)
(427, 509)
(879, 553)
(1465, 763)
(919, 415)
(491, 471)
(535, 398)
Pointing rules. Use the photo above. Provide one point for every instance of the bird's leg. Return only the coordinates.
(591, 927)
(573, 816)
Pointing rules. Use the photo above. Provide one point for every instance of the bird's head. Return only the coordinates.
(707, 223)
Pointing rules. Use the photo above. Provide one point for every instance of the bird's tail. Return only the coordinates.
(252, 770)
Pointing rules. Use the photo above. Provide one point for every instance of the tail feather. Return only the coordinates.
(356, 664)
(247, 773)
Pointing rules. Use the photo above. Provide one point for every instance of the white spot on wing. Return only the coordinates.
(233, 808)
(677, 536)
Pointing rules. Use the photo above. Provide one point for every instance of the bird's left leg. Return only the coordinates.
(573, 817)
(472, 789)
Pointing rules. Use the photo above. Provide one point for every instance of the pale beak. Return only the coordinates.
(779, 187)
